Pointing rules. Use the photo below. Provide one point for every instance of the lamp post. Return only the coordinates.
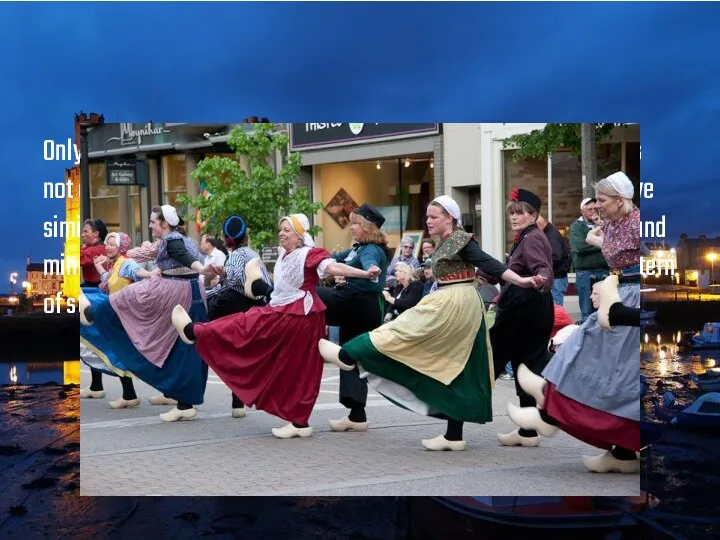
(712, 257)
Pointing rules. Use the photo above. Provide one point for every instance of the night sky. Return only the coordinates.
(656, 64)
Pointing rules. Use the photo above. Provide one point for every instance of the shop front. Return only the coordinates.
(389, 166)
(134, 167)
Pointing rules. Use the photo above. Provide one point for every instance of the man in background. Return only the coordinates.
(588, 260)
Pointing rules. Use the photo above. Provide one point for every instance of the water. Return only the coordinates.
(685, 464)
(31, 373)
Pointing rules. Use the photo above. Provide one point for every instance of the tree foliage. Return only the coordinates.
(248, 185)
(540, 142)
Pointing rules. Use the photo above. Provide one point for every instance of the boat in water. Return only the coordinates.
(708, 381)
(644, 386)
(707, 338)
(704, 413)
(465, 518)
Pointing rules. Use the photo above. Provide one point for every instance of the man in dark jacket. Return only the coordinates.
(561, 259)
(590, 265)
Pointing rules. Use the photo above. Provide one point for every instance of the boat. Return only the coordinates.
(704, 413)
(644, 386)
(708, 338)
(708, 381)
(465, 518)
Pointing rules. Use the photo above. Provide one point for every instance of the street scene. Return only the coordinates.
(131, 452)
(356, 335)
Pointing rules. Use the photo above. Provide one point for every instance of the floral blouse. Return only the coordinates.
(621, 241)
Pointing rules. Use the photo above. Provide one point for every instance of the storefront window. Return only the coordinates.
(174, 178)
(104, 201)
(401, 193)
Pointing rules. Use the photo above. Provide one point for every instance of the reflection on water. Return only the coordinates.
(21, 373)
(667, 365)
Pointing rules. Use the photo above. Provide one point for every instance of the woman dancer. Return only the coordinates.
(357, 306)
(229, 296)
(134, 334)
(122, 273)
(93, 236)
(267, 356)
(591, 386)
(435, 358)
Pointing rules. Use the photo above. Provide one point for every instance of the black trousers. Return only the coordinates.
(229, 302)
(355, 313)
(521, 333)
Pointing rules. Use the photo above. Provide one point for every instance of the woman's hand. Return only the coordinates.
(534, 282)
(208, 270)
(219, 270)
(100, 259)
(388, 297)
(373, 272)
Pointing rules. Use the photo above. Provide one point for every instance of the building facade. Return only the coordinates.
(397, 168)
(698, 260)
(134, 167)
(41, 284)
(480, 173)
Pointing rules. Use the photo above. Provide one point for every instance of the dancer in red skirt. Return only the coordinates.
(268, 356)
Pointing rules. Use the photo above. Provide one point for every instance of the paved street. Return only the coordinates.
(132, 452)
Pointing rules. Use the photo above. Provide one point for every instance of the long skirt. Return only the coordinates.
(268, 358)
(434, 359)
(593, 390)
(355, 312)
(592, 426)
(183, 375)
(601, 368)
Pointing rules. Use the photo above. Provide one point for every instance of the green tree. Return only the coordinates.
(540, 143)
(250, 186)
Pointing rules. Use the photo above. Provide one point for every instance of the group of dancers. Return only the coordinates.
(266, 340)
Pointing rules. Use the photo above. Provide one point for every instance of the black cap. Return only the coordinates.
(523, 195)
(234, 227)
(371, 214)
(427, 263)
(101, 228)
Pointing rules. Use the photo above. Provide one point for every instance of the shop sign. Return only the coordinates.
(311, 136)
(128, 136)
(269, 254)
(132, 134)
(121, 172)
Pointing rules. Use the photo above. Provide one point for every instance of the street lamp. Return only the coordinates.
(712, 257)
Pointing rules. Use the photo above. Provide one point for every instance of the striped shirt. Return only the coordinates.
(235, 272)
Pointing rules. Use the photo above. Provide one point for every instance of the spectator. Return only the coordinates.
(560, 258)
(407, 246)
(588, 260)
(428, 248)
(407, 294)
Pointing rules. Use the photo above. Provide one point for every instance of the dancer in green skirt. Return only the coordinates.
(435, 359)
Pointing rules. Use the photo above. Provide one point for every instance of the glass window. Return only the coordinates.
(104, 202)
(401, 193)
(174, 178)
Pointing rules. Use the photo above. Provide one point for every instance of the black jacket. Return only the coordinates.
(560, 252)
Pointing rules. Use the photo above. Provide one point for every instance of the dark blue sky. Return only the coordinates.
(656, 64)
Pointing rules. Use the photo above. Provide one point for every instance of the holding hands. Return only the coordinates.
(373, 272)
